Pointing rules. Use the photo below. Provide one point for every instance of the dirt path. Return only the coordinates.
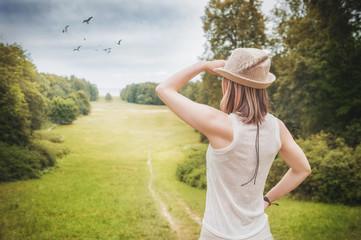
(175, 226)
(163, 206)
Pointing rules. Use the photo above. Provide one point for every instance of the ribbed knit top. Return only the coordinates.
(234, 211)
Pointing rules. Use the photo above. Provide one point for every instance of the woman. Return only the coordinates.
(244, 139)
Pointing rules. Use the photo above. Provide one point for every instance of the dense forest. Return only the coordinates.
(316, 56)
(29, 101)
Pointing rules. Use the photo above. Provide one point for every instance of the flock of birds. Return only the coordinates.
(108, 50)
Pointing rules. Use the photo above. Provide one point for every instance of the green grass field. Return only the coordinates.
(102, 189)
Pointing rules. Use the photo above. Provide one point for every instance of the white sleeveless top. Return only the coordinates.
(234, 211)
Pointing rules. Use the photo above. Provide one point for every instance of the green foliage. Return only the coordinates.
(19, 163)
(144, 93)
(48, 135)
(336, 171)
(335, 178)
(85, 86)
(141, 93)
(93, 91)
(231, 24)
(228, 25)
(63, 111)
(25, 102)
(14, 111)
(193, 170)
(318, 74)
(81, 98)
(51, 85)
(108, 97)
(210, 91)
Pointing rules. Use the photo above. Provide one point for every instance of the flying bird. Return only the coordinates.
(108, 50)
(65, 30)
(76, 49)
(119, 41)
(87, 20)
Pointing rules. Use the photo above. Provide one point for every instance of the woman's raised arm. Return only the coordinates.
(199, 116)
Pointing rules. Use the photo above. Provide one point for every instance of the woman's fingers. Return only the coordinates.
(210, 65)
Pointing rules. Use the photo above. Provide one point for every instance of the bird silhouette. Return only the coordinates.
(87, 20)
(119, 41)
(108, 50)
(65, 30)
(76, 49)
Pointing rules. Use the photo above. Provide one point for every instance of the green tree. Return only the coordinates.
(141, 93)
(191, 90)
(81, 99)
(93, 92)
(14, 111)
(63, 111)
(319, 74)
(228, 24)
(36, 101)
(108, 97)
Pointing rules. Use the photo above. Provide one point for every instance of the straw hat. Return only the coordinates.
(249, 67)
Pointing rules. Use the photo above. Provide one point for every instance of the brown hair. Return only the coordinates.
(250, 104)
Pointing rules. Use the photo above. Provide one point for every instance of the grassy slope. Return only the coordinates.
(101, 191)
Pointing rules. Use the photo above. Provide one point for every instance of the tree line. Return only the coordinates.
(316, 56)
(144, 93)
(28, 100)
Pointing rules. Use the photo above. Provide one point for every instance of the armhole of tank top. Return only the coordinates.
(232, 117)
(278, 134)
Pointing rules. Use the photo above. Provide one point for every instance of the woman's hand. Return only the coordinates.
(210, 65)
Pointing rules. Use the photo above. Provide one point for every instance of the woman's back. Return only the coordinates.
(236, 175)
(235, 181)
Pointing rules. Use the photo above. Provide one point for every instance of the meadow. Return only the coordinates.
(119, 182)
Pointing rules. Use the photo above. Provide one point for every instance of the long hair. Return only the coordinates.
(250, 104)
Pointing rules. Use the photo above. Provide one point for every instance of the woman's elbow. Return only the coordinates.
(307, 171)
(159, 89)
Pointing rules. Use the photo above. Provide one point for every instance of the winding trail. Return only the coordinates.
(163, 206)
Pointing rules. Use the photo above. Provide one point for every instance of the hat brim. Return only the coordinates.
(246, 81)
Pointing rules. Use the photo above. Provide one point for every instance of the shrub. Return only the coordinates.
(19, 163)
(336, 171)
(335, 177)
(193, 170)
(108, 97)
(63, 111)
(48, 135)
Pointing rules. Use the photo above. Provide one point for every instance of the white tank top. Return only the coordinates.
(234, 211)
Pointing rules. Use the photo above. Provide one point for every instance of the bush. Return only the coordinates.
(48, 135)
(19, 163)
(193, 170)
(63, 111)
(335, 177)
(108, 97)
(336, 171)
(49, 149)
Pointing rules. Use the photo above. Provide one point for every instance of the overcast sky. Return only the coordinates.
(159, 37)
